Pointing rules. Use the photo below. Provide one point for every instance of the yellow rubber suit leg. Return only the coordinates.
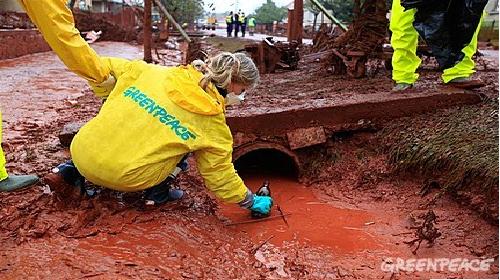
(464, 68)
(404, 41)
(55, 21)
(3, 171)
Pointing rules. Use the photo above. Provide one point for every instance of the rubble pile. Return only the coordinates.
(110, 31)
(349, 51)
(13, 20)
(270, 55)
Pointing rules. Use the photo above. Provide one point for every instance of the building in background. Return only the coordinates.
(309, 17)
(104, 6)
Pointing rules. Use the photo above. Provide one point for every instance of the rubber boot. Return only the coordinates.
(466, 83)
(66, 182)
(161, 194)
(16, 182)
(399, 87)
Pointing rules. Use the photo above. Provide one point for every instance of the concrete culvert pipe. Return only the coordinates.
(266, 158)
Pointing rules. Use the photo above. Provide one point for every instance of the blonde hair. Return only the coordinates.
(227, 67)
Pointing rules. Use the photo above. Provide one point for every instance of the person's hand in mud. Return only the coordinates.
(261, 206)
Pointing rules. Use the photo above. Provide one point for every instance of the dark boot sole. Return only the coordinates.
(65, 192)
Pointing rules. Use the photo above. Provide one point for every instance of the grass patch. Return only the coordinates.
(462, 143)
(228, 44)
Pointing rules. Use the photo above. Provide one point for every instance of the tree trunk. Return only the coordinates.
(315, 20)
(299, 19)
(72, 4)
(147, 31)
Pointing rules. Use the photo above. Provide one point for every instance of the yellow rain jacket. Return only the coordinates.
(152, 117)
(3, 171)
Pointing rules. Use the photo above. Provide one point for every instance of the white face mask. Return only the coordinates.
(233, 99)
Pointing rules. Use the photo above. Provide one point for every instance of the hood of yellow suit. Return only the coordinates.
(192, 97)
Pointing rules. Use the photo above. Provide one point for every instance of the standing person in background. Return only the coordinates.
(441, 36)
(12, 182)
(243, 23)
(251, 26)
(229, 24)
(236, 22)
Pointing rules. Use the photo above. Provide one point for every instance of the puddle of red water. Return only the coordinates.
(146, 243)
(311, 221)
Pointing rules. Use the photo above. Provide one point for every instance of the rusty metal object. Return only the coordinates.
(270, 55)
(252, 221)
(305, 137)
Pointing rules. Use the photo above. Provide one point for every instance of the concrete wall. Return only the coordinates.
(15, 43)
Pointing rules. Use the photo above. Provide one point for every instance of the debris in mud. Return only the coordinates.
(256, 248)
(272, 259)
(270, 55)
(110, 31)
(194, 51)
(14, 20)
(426, 231)
(485, 64)
(350, 51)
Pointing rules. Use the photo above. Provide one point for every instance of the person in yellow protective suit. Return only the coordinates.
(153, 117)
(229, 24)
(12, 182)
(243, 24)
(404, 41)
(251, 26)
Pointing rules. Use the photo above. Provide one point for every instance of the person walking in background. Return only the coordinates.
(229, 24)
(243, 23)
(251, 26)
(437, 23)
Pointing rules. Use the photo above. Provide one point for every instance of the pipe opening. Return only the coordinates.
(267, 162)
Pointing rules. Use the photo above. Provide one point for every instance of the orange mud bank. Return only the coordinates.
(346, 226)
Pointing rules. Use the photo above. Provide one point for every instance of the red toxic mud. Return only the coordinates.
(147, 243)
(310, 221)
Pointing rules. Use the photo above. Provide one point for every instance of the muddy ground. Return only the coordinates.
(347, 217)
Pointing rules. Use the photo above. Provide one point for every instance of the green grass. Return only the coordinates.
(461, 144)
